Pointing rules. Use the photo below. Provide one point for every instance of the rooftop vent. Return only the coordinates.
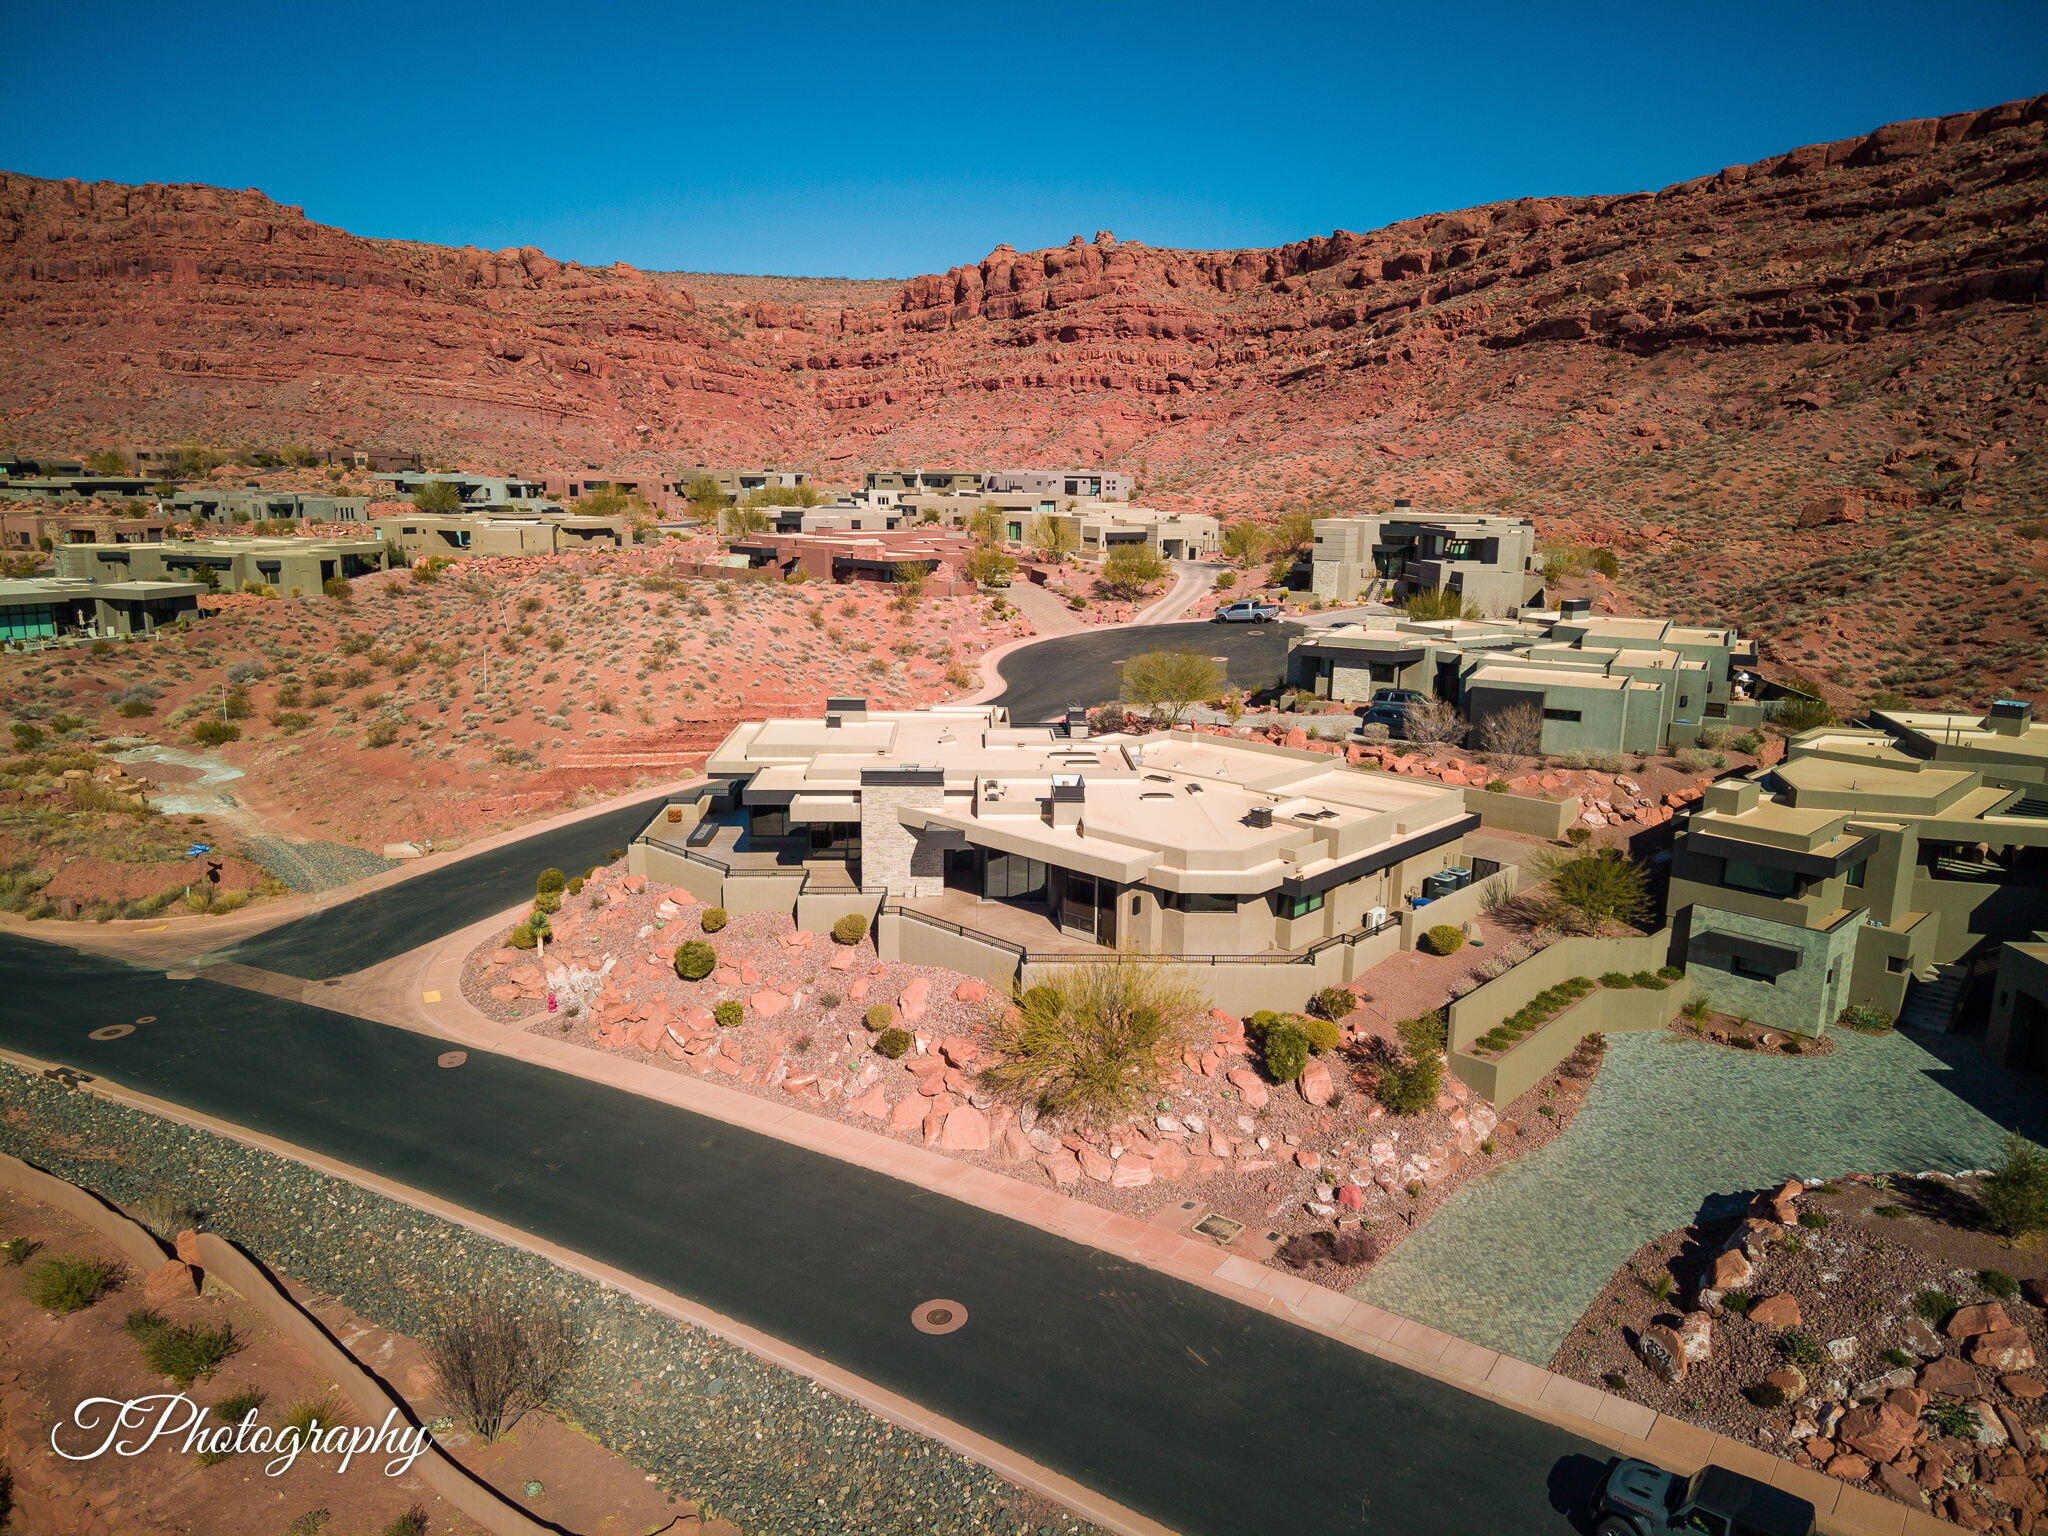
(1259, 816)
(1068, 793)
(2010, 717)
(1403, 501)
(1575, 607)
(833, 722)
(1077, 721)
(850, 708)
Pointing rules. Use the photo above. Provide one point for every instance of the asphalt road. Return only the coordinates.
(1210, 1417)
(357, 934)
(1041, 680)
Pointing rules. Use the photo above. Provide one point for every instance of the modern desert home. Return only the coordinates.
(284, 566)
(1884, 866)
(943, 481)
(250, 504)
(1082, 484)
(1491, 561)
(993, 849)
(41, 609)
(477, 492)
(459, 535)
(1598, 682)
(1098, 528)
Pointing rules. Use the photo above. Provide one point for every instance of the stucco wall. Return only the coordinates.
(1526, 814)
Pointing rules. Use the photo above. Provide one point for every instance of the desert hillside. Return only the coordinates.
(1807, 393)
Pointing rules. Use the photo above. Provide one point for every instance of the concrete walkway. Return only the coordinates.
(1674, 1129)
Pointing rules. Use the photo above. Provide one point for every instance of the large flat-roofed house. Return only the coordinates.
(943, 481)
(28, 530)
(1099, 527)
(478, 493)
(737, 484)
(880, 555)
(1036, 844)
(1598, 682)
(1491, 561)
(458, 535)
(1081, 484)
(284, 565)
(39, 609)
(251, 504)
(1878, 866)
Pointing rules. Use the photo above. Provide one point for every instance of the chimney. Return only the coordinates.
(1259, 816)
(846, 709)
(2009, 717)
(1068, 795)
(1077, 721)
(1575, 607)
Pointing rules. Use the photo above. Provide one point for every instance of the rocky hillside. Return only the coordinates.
(1808, 393)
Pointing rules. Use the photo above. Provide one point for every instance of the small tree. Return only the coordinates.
(985, 523)
(496, 1364)
(2013, 1198)
(987, 564)
(1167, 683)
(1054, 537)
(108, 461)
(1097, 1044)
(741, 521)
(1130, 570)
(438, 497)
(1245, 542)
(1434, 722)
(1587, 891)
(1440, 603)
(1516, 731)
(706, 498)
(1801, 714)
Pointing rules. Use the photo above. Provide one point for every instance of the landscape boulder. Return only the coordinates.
(2003, 1349)
(1879, 1433)
(1775, 1312)
(1968, 1322)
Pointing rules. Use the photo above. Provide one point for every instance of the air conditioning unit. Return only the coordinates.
(1375, 916)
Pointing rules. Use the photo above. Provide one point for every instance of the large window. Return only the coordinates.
(1571, 715)
(1767, 879)
(768, 820)
(1203, 901)
(1012, 877)
(1299, 906)
(27, 621)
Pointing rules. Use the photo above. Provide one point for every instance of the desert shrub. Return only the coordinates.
(2013, 1199)
(549, 881)
(1443, 939)
(576, 886)
(382, 733)
(1997, 1282)
(892, 1043)
(879, 1016)
(1283, 1050)
(1795, 715)
(850, 929)
(210, 732)
(412, 1523)
(1897, 1359)
(1813, 1219)
(1749, 742)
(60, 1284)
(1410, 1086)
(1934, 1304)
(1865, 1020)
(548, 903)
(1801, 1348)
(694, 960)
(729, 1014)
(1425, 1032)
(495, 1364)
(1649, 981)
(17, 1251)
(1671, 972)
(1097, 1043)
(237, 1406)
(290, 721)
(1693, 760)
(1346, 1249)
(1955, 1419)
(185, 1355)
(1618, 980)
(1590, 890)
(522, 937)
(1332, 1003)
(712, 919)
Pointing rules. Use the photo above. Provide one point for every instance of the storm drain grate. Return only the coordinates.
(1222, 1228)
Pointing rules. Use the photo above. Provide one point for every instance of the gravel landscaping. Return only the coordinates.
(762, 1447)
(1865, 1327)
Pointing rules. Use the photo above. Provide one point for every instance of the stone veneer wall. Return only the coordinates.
(908, 863)
(1803, 999)
(762, 1446)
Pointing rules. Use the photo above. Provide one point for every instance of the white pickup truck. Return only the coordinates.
(1248, 612)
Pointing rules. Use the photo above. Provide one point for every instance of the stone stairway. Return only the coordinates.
(1932, 1000)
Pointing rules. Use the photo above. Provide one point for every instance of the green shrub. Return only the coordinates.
(185, 1355)
(1332, 1003)
(2013, 1199)
(1591, 890)
(1935, 1305)
(1865, 1020)
(879, 1016)
(1795, 715)
(1889, 1212)
(1749, 742)
(850, 929)
(1649, 981)
(69, 1284)
(413, 1522)
(1997, 1282)
(1323, 1035)
(1813, 1220)
(695, 960)
(1410, 1087)
(576, 886)
(1801, 1348)
(729, 1014)
(237, 1406)
(213, 733)
(1443, 939)
(712, 919)
(547, 903)
(17, 1251)
(522, 937)
(1617, 980)
(1958, 1420)
(892, 1043)
(1284, 1051)
(549, 881)
(1671, 972)
(1898, 1359)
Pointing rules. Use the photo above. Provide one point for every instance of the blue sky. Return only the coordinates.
(884, 139)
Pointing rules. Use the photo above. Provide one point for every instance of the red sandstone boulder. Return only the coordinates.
(1775, 1312)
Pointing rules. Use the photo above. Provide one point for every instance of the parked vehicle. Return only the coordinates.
(1637, 1499)
(1398, 696)
(1393, 716)
(1248, 612)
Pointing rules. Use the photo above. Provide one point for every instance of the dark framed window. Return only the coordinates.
(1857, 871)
(768, 820)
(1299, 906)
(1203, 901)
(1563, 714)
(1765, 879)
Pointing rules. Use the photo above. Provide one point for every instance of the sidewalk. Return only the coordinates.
(422, 991)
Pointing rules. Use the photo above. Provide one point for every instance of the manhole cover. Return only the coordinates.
(938, 1317)
(111, 1032)
(1222, 1228)
(147, 1018)
(451, 1058)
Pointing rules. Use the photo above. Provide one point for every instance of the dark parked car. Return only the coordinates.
(1637, 1499)
(1393, 716)
(1397, 696)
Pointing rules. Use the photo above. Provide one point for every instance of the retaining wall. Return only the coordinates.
(1527, 814)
